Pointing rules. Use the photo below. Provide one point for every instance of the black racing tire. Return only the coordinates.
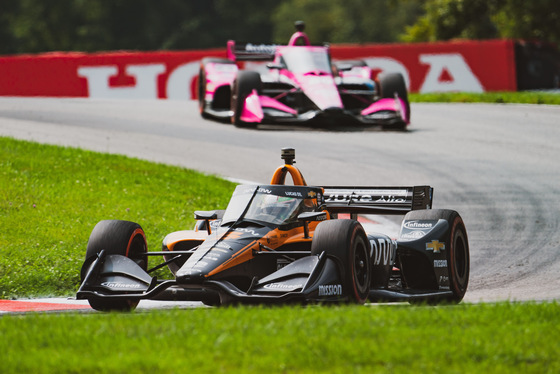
(391, 83)
(201, 83)
(244, 84)
(346, 241)
(123, 238)
(457, 249)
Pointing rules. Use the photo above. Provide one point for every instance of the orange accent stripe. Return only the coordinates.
(279, 237)
(243, 255)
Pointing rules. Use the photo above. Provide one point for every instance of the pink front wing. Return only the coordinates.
(387, 104)
(253, 112)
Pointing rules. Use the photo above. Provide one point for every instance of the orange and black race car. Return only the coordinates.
(280, 243)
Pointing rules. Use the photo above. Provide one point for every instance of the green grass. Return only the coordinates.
(524, 97)
(483, 338)
(52, 197)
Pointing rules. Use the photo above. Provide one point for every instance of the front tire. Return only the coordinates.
(244, 84)
(391, 84)
(346, 241)
(123, 238)
(459, 259)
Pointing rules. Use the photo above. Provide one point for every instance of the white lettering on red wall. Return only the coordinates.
(440, 67)
(145, 77)
(449, 73)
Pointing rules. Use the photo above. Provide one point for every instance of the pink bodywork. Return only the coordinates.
(217, 75)
(299, 35)
(318, 85)
(388, 104)
(254, 104)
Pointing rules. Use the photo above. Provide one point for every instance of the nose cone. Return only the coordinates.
(334, 110)
(189, 276)
(321, 90)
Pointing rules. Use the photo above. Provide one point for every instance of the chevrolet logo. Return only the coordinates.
(435, 246)
(311, 194)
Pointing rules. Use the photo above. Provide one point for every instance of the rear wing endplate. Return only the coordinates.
(250, 51)
(377, 200)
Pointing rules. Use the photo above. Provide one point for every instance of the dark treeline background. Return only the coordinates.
(29, 26)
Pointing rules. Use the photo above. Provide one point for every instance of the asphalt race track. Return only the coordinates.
(498, 165)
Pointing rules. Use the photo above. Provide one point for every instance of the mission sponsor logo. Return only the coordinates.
(330, 290)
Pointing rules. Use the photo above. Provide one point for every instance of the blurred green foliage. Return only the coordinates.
(30, 26)
(485, 19)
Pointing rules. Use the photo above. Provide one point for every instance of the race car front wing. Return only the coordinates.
(308, 279)
(311, 278)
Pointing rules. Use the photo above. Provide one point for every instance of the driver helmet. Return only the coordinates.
(285, 207)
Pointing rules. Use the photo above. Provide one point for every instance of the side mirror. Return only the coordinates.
(274, 66)
(344, 67)
(206, 216)
(310, 217)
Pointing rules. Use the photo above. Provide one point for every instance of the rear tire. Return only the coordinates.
(346, 241)
(123, 238)
(457, 249)
(244, 84)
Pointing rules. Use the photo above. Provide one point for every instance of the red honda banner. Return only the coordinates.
(468, 66)
(462, 66)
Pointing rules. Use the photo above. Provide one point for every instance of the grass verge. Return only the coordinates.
(495, 338)
(522, 97)
(52, 197)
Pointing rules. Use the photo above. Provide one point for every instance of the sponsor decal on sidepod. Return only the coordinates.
(418, 225)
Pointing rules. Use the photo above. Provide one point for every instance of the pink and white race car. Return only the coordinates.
(299, 84)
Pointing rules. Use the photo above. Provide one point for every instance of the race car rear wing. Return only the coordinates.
(377, 200)
(250, 52)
